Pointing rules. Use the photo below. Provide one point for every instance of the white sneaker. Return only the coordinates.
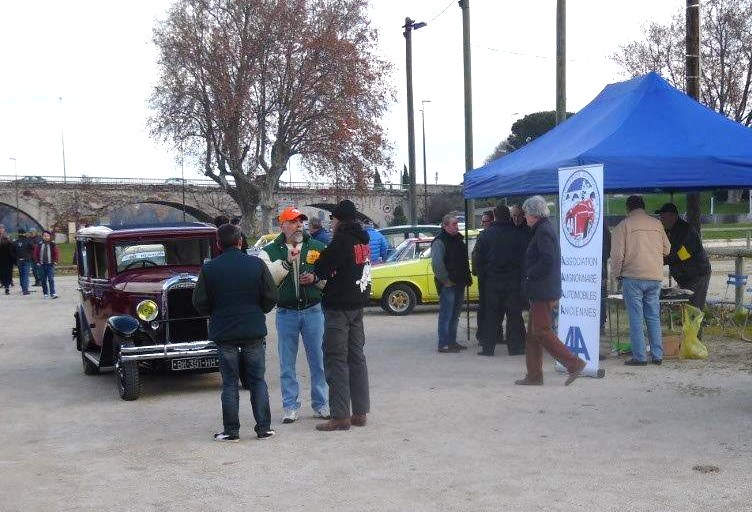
(54, 295)
(322, 413)
(45, 296)
(290, 416)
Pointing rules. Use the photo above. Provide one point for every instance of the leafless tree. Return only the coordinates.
(726, 47)
(247, 84)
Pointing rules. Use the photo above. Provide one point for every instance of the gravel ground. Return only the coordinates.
(447, 432)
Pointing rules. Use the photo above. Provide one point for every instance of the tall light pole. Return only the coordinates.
(561, 61)
(409, 26)
(425, 173)
(466, 59)
(62, 139)
(15, 183)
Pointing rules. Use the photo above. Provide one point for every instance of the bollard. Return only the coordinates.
(739, 270)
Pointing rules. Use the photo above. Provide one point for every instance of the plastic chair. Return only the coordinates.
(735, 281)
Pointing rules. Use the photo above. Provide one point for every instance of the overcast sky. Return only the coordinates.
(99, 58)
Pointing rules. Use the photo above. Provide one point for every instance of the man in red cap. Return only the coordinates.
(290, 258)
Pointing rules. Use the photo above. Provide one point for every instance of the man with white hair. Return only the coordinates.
(318, 231)
(541, 282)
(451, 269)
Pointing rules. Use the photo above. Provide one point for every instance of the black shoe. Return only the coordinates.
(635, 362)
(265, 434)
(7, 292)
(657, 361)
(226, 438)
(448, 350)
(458, 346)
(27, 293)
(485, 353)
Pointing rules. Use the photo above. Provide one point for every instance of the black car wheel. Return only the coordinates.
(127, 377)
(399, 300)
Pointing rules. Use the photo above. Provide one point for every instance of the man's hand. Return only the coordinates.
(448, 283)
(307, 278)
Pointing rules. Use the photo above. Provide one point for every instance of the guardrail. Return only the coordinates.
(747, 231)
(175, 182)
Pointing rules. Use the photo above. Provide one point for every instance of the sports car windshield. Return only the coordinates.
(145, 254)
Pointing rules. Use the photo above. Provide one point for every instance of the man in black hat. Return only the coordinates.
(345, 264)
(688, 262)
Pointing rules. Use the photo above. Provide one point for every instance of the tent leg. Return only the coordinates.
(467, 289)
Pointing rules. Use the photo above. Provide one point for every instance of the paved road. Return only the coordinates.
(447, 432)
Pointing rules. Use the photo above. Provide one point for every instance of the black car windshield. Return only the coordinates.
(160, 253)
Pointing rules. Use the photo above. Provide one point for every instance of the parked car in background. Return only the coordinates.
(400, 286)
(31, 180)
(395, 235)
(136, 311)
(176, 181)
(410, 249)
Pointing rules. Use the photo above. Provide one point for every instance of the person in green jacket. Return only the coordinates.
(290, 258)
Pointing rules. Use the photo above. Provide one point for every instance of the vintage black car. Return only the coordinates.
(136, 311)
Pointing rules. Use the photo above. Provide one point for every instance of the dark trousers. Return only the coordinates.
(699, 285)
(479, 318)
(345, 362)
(498, 303)
(249, 356)
(540, 335)
(6, 275)
(36, 271)
(450, 307)
(47, 271)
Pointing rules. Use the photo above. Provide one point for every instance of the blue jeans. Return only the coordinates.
(254, 365)
(291, 325)
(641, 297)
(450, 307)
(47, 274)
(23, 275)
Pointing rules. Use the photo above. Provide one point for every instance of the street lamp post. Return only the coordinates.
(409, 26)
(62, 139)
(425, 173)
(15, 182)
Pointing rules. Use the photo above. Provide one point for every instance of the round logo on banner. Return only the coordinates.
(387, 208)
(580, 208)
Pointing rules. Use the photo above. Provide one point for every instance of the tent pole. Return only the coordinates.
(467, 290)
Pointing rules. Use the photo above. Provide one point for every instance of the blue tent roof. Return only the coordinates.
(648, 135)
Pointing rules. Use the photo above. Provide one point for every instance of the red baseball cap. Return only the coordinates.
(291, 213)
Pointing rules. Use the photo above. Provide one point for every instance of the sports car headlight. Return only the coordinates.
(147, 310)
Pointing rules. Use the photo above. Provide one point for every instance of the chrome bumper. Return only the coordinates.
(169, 351)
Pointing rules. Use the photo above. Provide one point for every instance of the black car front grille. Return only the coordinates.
(183, 321)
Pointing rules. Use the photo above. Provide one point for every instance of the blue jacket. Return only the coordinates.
(378, 243)
(322, 235)
(235, 290)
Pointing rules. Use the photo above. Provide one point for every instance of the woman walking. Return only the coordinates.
(6, 263)
(542, 283)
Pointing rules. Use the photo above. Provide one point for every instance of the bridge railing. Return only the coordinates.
(176, 182)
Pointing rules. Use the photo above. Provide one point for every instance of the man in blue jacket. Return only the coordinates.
(236, 291)
(377, 242)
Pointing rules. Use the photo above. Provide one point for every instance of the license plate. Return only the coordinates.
(195, 363)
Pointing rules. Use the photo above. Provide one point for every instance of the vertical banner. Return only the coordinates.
(581, 241)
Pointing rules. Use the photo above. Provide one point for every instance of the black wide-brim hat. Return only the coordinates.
(345, 210)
